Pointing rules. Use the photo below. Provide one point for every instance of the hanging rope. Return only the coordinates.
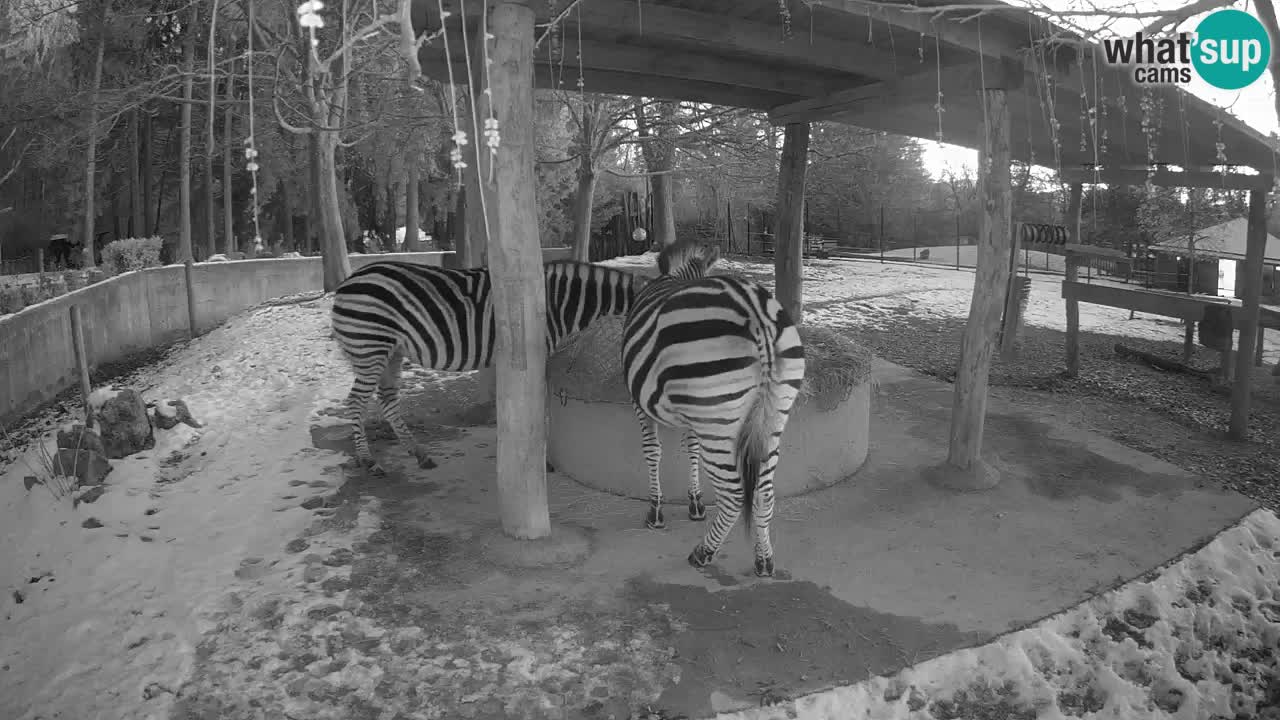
(250, 150)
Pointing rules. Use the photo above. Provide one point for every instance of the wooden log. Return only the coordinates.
(82, 362)
(1161, 363)
(1073, 307)
(1250, 299)
(994, 240)
(1257, 350)
(515, 261)
(788, 266)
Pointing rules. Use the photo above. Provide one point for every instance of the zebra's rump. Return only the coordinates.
(443, 319)
(695, 351)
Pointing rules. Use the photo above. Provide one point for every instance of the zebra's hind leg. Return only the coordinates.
(719, 462)
(762, 513)
(357, 404)
(389, 395)
(697, 510)
(652, 447)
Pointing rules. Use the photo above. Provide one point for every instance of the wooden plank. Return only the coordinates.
(1169, 178)
(515, 260)
(1093, 251)
(1154, 302)
(619, 83)
(956, 81)
(1073, 308)
(994, 240)
(1250, 299)
(82, 362)
(788, 267)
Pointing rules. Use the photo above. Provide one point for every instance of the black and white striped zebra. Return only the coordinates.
(719, 358)
(443, 320)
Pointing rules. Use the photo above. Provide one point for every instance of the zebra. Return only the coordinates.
(443, 320)
(721, 359)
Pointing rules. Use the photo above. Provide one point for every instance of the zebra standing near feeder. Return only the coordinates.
(719, 358)
(443, 320)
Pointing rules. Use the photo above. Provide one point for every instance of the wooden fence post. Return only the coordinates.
(1072, 267)
(82, 362)
(1250, 310)
(191, 297)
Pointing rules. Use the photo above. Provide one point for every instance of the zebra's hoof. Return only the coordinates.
(701, 556)
(424, 459)
(764, 567)
(654, 520)
(697, 511)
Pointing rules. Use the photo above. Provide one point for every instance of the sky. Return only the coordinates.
(1253, 104)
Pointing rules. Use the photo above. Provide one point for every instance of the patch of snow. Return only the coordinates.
(166, 409)
(217, 258)
(1199, 640)
(292, 254)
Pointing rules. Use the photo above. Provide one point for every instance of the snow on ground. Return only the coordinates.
(839, 293)
(946, 255)
(1200, 640)
(109, 616)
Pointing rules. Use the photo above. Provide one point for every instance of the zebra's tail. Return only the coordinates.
(752, 443)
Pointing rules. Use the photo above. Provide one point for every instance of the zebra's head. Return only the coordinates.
(687, 259)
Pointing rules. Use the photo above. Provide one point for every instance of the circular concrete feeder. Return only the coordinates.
(594, 436)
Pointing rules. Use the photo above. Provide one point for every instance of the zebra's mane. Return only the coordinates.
(687, 259)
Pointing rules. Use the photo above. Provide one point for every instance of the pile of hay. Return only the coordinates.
(588, 366)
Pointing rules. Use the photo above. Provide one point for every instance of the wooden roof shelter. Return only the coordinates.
(875, 66)
(1010, 84)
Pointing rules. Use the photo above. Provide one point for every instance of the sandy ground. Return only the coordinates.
(240, 531)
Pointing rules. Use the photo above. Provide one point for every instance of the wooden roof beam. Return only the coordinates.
(644, 23)
(620, 83)
(1168, 178)
(906, 90)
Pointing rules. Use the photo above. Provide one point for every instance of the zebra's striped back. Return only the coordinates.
(443, 318)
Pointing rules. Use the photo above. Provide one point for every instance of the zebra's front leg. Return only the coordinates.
(652, 447)
(697, 510)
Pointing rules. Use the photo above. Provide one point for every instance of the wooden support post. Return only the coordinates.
(1249, 313)
(1072, 221)
(788, 266)
(990, 279)
(1257, 350)
(82, 362)
(191, 297)
(515, 261)
(40, 259)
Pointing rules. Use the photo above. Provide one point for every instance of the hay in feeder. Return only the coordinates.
(588, 366)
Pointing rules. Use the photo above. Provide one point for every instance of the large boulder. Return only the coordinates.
(123, 423)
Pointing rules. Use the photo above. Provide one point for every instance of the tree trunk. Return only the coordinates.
(228, 215)
(411, 222)
(286, 204)
(333, 246)
(788, 253)
(145, 153)
(990, 282)
(184, 151)
(91, 156)
(137, 211)
(582, 206)
(315, 223)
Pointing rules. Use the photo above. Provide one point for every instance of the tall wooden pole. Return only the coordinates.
(1073, 306)
(788, 266)
(1251, 284)
(990, 280)
(515, 261)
